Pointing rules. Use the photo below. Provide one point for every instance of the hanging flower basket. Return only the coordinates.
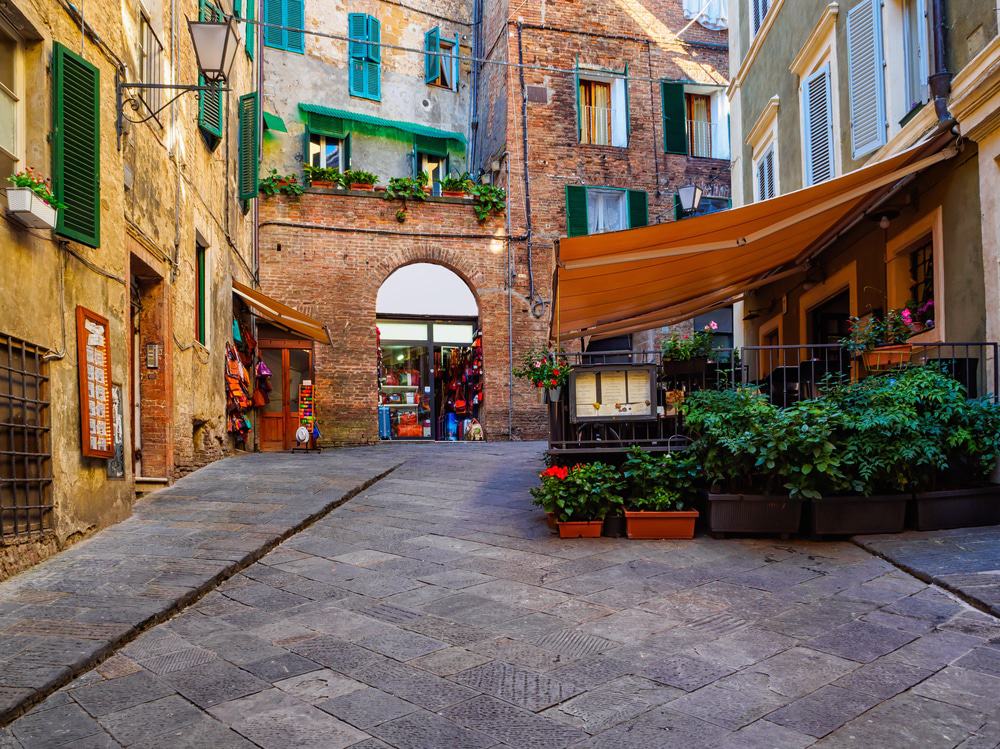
(25, 206)
(888, 357)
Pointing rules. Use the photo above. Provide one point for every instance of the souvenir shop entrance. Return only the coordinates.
(430, 378)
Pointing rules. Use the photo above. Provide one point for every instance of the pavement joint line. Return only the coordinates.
(183, 602)
(929, 579)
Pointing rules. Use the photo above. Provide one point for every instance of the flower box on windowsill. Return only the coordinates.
(30, 209)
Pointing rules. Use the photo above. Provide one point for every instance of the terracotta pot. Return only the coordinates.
(550, 520)
(323, 183)
(362, 186)
(580, 528)
(660, 525)
(380, 188)
(453, 193)
(888, 357)
(428, 190)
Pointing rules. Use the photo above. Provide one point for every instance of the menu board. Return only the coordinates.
(612, 392)
(306, 413)
(93, 349)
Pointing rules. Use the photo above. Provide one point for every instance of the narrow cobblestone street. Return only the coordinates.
(433, 610)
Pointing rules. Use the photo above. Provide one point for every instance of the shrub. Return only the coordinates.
(406, 188)
(283, 184)
(686, 347)
(587, 491)
(324, 174)
(456, 183)
(670, 481)
(360, 177)
(487, 200)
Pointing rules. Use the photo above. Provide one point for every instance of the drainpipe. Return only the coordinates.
(537, 304)
(940, 80)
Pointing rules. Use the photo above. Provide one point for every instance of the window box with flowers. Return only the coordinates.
(31, 201)
(688, 354)
(545, 369)
(883, 343)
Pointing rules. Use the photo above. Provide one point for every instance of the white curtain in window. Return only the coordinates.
(714, 13)
(605, 211)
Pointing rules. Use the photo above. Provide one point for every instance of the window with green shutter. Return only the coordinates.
(210, 106)
(76, 139)
(675, 138)
(638, 208)
(250, 28)
(284, 21)
(248, 165)
(432, 55)
(596, 209)
(201, 296)
(576, 210)
(365, 52)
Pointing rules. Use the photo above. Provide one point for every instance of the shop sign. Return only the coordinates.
(613, 392)
(93, 349)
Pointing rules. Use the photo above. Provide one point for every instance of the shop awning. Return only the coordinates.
(337, 123)
(627, 281)
(274, 122)
(281, 314)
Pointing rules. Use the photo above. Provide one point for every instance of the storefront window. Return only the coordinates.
(406, 393)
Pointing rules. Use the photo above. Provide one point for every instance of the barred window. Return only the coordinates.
(25, 445)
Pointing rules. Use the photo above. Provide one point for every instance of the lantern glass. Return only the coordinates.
(690, 197)
(215, 46)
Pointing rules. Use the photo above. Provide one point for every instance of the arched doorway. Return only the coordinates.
(430, 358)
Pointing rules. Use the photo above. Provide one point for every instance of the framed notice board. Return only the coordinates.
(93, 353)
(613, 392)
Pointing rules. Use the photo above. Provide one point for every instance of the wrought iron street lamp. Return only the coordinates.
(690, 197)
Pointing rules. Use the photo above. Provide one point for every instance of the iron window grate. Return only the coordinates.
(25, 440)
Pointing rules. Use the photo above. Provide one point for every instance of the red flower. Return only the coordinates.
(555, 372)
(557, 472)
(553, 383)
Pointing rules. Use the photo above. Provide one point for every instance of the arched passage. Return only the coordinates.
(430, 359)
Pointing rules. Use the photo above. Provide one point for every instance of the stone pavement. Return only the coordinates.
(964, 560)
(435, 611)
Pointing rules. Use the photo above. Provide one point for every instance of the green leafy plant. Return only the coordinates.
(544, 368)
(360, 177)
(587, 491)
(689, 346)
(280, 184)
(894, 328)
(457, 183)
(487, 200)
(39, 185)
(670, 481)
(324, 174)
(406, 188)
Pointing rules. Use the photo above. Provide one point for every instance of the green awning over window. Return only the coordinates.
(337, 123)
(274, 122)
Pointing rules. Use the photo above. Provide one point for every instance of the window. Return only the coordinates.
(602, 110)
(695, 120)
(915, 273)
(922, 273)
(201, 298)
(76, 146)
(758, 12)
(763, 142)
(249, 30)
(284, 18)
(915, 52)
(25, 449)
(699, 117)
(210, 108)
(150, 64)
(435, 167)
(327, 151)
(866, 77)
(593, 210)
(11, 128)
(764, 187)
(817, 127)
(365, 52)
(440, 60)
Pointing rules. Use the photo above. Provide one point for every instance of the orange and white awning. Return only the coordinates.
(627, 281)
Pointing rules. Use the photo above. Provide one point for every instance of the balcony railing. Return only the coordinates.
(785, 374)
(708, 140)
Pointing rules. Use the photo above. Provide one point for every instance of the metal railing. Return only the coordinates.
(708, 140)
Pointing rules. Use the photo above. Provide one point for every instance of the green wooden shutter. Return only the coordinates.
(356, 78)
(247, 178)
(374, 39)
(347, 151)
(674, 117)
(576, 90)
(638, 208)
(201, 301)
(76, 140)
(456, 52)
(274, 34)
(295, 18)
(576, 210)
(432, 55)
(373, 80)
(210, 111)
(628, 113)
(238, 8)
(251, 28)
(357, 33)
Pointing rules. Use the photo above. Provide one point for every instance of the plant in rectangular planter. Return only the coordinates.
(882, 342)
(324, 176)
(662, 490)
(31, 201)
(580, 497)
(456, 186)
(688, 354)
(280, 184)
(358, 179)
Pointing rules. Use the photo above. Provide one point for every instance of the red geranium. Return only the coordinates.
(559, 472)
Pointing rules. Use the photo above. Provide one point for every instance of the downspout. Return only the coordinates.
(510, 316)
(940, 80)
(537, 306)
(474, 104)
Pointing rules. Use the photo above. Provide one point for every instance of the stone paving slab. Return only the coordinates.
(82, 604)
(436, 611)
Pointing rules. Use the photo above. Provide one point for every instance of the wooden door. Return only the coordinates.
(290, 363)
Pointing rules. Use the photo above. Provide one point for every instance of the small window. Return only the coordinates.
(10, 102)
(921, 259)
(764, 177)
(915, 51)
(758, 12)
(606, 211)
(326, 151)
(435, 167)
(150, 65)
(699, 121)
(446, 75)
(201, 297)
(603, 111)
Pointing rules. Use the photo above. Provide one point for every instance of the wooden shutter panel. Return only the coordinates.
(295, 18)
(866, 88)
(765, 175)
(432, 55)
(817, 124)
(356, 76)
(274, 35)
(247, 177)
(76, 140)
(674, 118)
(373, 80)
(576, 210)
(374, 39)
(210, 111)
(251, 29)
(638, 208)
(357, 33)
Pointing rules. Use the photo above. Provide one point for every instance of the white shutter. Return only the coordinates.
(765, 175)
(758, 11)
(817, 126)
(866, 77)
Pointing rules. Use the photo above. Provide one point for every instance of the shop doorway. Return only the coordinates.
(149, 396)
(430, 356)
(291, 362)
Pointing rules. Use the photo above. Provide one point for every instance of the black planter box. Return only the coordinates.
(688, 367)
(958, 508)
(614, 526)
(851, 516)
(754, 513)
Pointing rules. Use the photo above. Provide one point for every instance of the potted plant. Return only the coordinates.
(359, 179)
(406, 188)
(662, 490)
(589, 492)
(280, 184)
(487, 200)
(882, 343)
(31, 201)
(687, 354)
(545, 369)
(456, 186)
(323, 176)
(552, 491)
